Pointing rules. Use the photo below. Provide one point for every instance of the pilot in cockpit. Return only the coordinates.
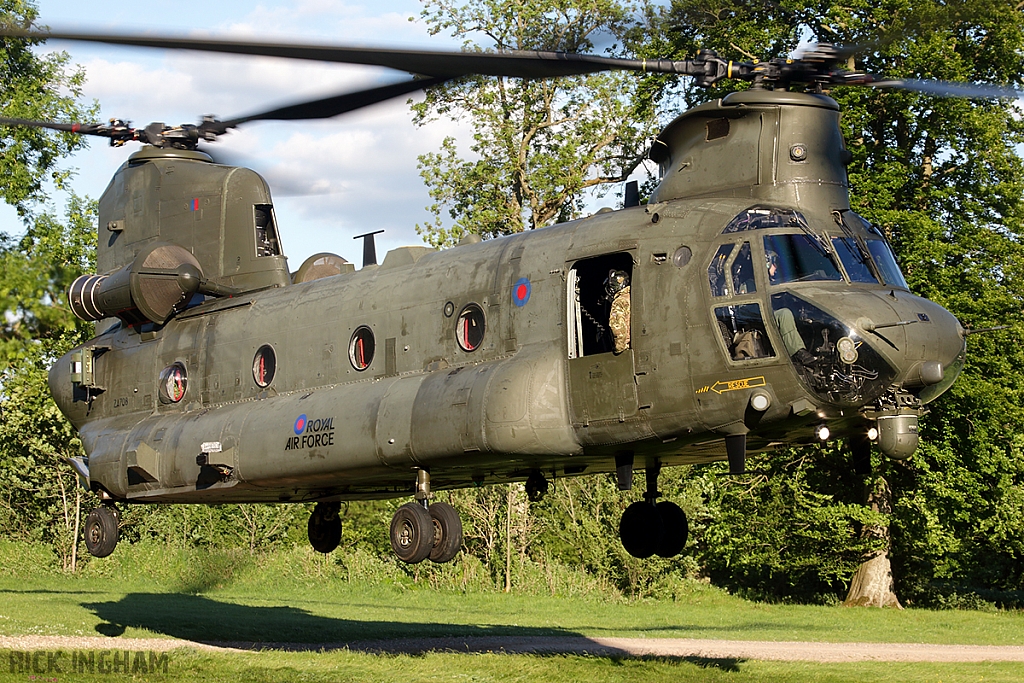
(784, 318)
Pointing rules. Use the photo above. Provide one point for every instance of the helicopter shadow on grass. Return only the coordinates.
(204, 620)
(201, 619)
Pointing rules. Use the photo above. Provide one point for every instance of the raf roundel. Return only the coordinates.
(521, 292)
(300, 424)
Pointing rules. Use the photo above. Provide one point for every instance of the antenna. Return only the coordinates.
(369, 248)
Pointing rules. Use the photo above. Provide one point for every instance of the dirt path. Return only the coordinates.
(603, 647)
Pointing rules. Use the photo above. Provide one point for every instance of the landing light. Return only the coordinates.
(873, 434)
(760, 401)
(823, 433)
(847, 350)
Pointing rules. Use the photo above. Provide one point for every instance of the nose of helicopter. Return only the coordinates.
(875, 340)
(920, 338)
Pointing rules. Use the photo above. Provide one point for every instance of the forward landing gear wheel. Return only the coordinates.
(674, 529)
(447, 532)
(324, 527)
(412, 533)
(640, 529)
(101, 531)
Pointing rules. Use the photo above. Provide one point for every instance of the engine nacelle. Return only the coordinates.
(156, 285)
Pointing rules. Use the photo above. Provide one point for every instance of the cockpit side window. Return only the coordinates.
(716, 271)
(743, 331)
(798, 258)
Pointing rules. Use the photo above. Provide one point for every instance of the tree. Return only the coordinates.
(944, 180)
(35, 272)
(537, 144)
(41, 87)
(40, 497)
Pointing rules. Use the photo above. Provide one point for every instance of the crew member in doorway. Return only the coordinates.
(616, 289)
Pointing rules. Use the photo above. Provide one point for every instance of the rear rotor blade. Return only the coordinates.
(118, 132)
(97, 129)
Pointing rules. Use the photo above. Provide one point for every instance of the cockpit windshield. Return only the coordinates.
(798, 258)
(854, 260)
(886, 263)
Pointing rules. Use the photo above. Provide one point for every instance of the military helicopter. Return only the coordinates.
(763, 313)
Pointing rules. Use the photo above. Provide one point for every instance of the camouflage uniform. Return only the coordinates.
(618, 319)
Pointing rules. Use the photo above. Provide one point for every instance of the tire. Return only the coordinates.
(412, 533)
(101, 532)
(640, 529)
(324, 528)
(447, 532)
(674, 530)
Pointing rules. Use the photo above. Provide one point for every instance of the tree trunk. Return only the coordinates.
(508, 540)
(872, 584)
(78, 526)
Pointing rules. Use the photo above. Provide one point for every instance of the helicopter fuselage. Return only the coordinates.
(493, 360)
(521, 400)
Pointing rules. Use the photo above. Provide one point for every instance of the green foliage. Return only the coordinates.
(792, 531)
(35, 272)
(538, 144)
(39, 494)
(41, 87)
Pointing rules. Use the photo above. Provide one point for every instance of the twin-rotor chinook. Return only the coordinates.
(764, 312)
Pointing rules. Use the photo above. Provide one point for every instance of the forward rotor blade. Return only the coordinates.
(327, 107)
(947, 89)
(97, 129)
(519, 64)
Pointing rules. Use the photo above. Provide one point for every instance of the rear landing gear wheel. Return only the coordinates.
(101, 531)
(447, 532)
(640, 529)
(412, 533)
(674, 529)
(324, 527)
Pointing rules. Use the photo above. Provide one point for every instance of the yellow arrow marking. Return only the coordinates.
(721, 387)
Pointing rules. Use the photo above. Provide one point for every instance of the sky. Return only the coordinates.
(331, 180)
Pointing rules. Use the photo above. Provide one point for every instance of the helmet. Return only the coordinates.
(771, 259)
(616, 281)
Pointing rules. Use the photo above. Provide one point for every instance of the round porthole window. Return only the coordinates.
(469, 328)
(173, 383)
(264, 365)
(360, 349)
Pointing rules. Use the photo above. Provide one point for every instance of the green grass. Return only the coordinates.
(151, 592)
(317, 613)
(285, 667)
